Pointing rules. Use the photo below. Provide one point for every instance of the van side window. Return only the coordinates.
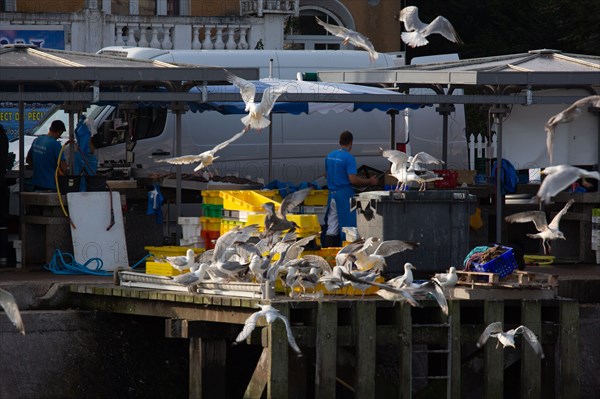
(146, 122)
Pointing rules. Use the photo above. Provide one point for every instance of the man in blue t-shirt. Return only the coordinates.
(43, 156)
(340, 169)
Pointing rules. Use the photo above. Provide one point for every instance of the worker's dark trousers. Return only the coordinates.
(4, 195)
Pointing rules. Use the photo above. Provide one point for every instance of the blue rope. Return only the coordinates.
(64, 263)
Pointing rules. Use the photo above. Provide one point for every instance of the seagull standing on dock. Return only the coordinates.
(446, 279)
(258, 113)
(546, 232)
(508, 338)
(351, 36)
(9, 304)
(193, 277)
(180, 262)
(405, 279)
(560, 177)
(565, 116)
(206, 158)
(270, 314)
(417, 31)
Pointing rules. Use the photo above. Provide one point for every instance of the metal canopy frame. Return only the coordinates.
(498, 81)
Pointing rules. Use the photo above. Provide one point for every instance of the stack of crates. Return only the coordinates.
(153, 266)
(212, 210)
(191, 228)
(238, 205)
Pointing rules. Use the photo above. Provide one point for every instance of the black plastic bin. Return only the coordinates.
(96, 183)
(437, 219)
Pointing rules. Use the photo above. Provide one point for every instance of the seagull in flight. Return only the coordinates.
(270, 314)
(565, 116)
(258, 113)
(351, 36)
(417, 31)
(546, 232)
(276, 220)
(560, 177)
(410, 168)
(206, 158)
(9, 304)
(508, 338)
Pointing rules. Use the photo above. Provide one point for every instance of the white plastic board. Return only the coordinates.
(91, 215)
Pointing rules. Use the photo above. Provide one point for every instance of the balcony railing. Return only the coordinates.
(164, 32)
(261, 7)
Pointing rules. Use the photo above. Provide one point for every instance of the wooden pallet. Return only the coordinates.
(518, 279)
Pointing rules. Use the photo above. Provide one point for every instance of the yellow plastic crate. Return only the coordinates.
(170, 250)
(211, 197)
(316, 198)
(307, 224)
(228, 224)
(248, 200)
(348, 290)
(163, 269)
(208, 223)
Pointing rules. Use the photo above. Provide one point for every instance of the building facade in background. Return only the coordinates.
(89, 25)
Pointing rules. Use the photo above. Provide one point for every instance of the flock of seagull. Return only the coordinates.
(359, 264)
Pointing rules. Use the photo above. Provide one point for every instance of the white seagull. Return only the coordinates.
(560, 177)
(546, 232)
(565, 116)
(351, 36)
(446, 279)
(417, 31)
(365, 258)
(8, 303)
(181, 262)
(258, 113)
(271, 314)
(410, 168)
(405, 279)
(194, 277)
(386, 291)
(206, 158)
(508, 338)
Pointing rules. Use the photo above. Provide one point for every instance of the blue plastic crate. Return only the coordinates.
(503, 265)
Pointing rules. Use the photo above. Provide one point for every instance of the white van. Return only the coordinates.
(300, 142)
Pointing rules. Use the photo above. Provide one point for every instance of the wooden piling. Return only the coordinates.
(531, 381)
(494, 357)
(365, 330)
(569, 349)
(326, 350)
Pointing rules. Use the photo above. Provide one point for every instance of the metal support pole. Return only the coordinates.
(392, 113)
(178, 109)
(445, 110)
(22, 154)
(499, 112)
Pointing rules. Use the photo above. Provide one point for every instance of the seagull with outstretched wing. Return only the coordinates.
(9, 304)
(417, 31)
(270, 314)
(565, 116)
(258, 113)
(546, 232)
(508, 338)
(206, 158)
(351, 36)
(276, 220)
(560, 177)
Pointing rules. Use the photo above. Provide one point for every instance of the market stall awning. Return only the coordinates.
(296, 99)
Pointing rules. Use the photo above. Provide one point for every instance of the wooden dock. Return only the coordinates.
(360, 348)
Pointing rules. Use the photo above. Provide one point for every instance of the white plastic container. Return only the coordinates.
(17, 247)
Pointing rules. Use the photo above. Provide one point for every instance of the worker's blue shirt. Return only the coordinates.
(339, 164)
(44, 153)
